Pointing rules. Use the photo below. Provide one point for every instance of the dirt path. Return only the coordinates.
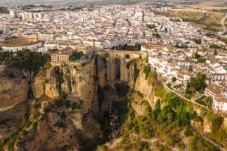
(185, 141)
(209, 140)
(223, 23)
(214, 143)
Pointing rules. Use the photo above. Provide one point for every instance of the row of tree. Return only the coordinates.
(24, 60)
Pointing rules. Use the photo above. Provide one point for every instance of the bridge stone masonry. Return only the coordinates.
(116, 61)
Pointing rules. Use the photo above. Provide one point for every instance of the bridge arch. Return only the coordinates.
(116, 70)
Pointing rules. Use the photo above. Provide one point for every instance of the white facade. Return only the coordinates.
(18, 48)
(220, 103)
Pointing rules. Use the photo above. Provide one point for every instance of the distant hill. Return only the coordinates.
(27, 2)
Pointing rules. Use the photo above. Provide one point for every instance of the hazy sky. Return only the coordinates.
(20, 2)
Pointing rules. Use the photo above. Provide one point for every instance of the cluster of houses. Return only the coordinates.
(171, 44)
(181, 64)
(62, 56)
(218, 92)
(105, 26)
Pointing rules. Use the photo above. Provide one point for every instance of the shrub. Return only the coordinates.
(122, 89)
(198, 143)
(140, 94)
(215, 120)
(188, 132)
(214, 46)
(147, 70)
(174, 79)
(136, 73)
(128, 64)
(63, 95)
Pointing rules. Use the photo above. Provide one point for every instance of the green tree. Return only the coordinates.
(147, 70)
(187, 131)
(201, 60)
(196, 55)
(28, 60)
(214, 46)
(174, 79)
(198, 40)
(158, 105)
(197, 83)
(122, 89)
(76, 56)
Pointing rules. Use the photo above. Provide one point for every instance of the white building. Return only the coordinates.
(220, 103)
(31, 46)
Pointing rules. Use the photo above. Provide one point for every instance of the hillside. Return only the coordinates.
(72, 108)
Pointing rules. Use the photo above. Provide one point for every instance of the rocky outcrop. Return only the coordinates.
(13, 88)
(140, 83)
(38, 86)
(207, 126)
(50, 83)
(101, 71)
(54, 132)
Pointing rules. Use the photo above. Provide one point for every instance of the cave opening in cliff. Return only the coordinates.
(117, 69)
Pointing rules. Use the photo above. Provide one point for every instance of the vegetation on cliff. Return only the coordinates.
(77, 56)
(28, 123)
(218, 133)
(162, 126)
(170, 123)
(196, 84)
(25, 60)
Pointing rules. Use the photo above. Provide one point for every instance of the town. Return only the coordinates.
(191, 62)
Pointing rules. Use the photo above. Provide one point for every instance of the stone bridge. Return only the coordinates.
(116, 60)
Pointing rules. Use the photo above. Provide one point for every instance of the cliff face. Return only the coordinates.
(76, 80)
(146, 87)
(13, 88)
(64, 126)
(101, 71)
(38, 85)
(140, 83)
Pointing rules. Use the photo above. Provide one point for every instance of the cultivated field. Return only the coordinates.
(207, 20)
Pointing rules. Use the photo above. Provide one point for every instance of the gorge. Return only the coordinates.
(108, 102)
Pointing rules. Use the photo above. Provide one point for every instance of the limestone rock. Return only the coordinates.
(141, 84)
(38, 86)
(13, 90)
(207, 126)
(51, 89)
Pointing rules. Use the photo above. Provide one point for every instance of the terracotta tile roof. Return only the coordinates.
(214, 89)
(65, 51)
(221, 98)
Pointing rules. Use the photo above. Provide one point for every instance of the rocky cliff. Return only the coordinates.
(70, 116)
(140, 83)
(70, 107)
(13, 88)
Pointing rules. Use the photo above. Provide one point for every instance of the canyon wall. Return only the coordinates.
(146, 87)
(13, 88)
